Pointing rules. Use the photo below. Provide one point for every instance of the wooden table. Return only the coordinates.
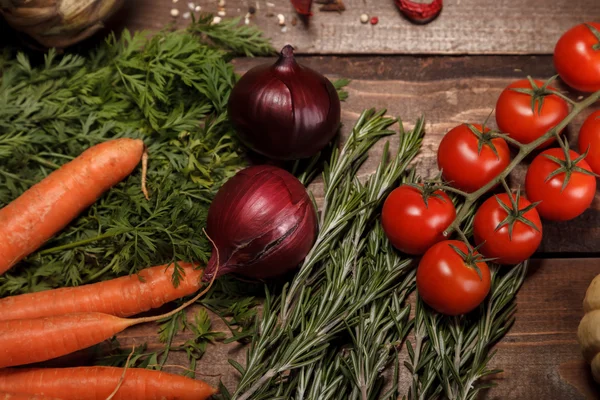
(452, 71)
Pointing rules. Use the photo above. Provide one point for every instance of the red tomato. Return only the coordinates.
(447, 284)
(589, 138)
(515, 116)
(411, 225)
(463, 165)
(497, 243)
(576, 60)
(557, 204)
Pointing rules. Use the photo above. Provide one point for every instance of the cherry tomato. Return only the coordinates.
(413, 226)
(447, 283)
(558, 204)
(508, 245)
(515, 116)
(589, 139)
(461, 162)
(577, 57)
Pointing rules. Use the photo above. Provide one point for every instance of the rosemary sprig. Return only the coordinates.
(341, 202)
(374, 331)
(380, 329)
(422, 364)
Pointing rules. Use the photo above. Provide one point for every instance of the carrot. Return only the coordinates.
(47, 207)
(97, 383)
(23, 396)
(26, 341)
(123, 297)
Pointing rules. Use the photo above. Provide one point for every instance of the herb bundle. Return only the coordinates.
(171, 90)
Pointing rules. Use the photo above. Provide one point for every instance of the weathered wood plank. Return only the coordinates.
(464, 27)
(448, 91)
(540, 355)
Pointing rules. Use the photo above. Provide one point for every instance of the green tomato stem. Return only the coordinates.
(512, 141)
(524, 151)
(565, 98)
(462, 235)
(506, 187)
(447, 188)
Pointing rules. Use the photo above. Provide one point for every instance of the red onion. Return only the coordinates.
(262, 222)
(285, 111)
(302, 7)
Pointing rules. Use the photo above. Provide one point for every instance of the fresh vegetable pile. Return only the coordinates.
(81, 215)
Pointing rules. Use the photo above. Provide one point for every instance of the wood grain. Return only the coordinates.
(464, 26)
(540, 355)
(541, 352)
(448, 91)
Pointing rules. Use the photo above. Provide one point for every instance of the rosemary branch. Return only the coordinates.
(369, 128)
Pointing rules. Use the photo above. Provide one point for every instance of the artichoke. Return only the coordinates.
(58, 23)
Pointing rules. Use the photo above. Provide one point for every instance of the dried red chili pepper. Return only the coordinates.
(303, 7)
(420, 13)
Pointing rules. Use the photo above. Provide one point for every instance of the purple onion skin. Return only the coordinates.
(285, 111)
(263, 224)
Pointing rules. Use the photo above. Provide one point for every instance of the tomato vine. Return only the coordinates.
(524, 150)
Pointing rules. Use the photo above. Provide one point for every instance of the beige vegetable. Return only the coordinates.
(588, 333)
(58, 23)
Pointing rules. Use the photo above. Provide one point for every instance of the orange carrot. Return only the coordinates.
(47, 207)
(97, 383)
(26, 341)
(23, 396)
(123, 297)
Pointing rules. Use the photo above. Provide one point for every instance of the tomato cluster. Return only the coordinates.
(453, 277)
